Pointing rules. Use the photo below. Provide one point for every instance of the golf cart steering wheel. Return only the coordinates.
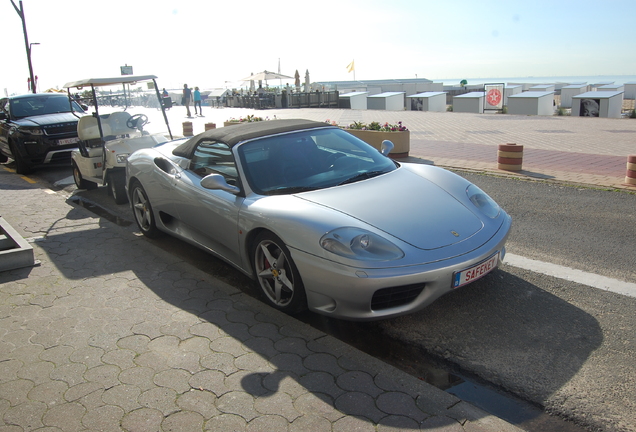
(138, 121)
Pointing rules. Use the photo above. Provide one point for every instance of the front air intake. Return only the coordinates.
(386, 298)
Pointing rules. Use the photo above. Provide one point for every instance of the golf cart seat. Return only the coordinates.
(88, 129)
(88, 133)
(118, 122)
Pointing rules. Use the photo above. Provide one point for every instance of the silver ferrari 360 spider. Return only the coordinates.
(319, 218)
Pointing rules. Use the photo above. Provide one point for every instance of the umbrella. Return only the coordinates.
(297, 79)
(266, 75)
(307, 82)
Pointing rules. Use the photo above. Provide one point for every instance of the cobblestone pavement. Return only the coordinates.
(110, 333)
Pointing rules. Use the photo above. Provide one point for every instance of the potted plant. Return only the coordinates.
(247, 119)
(374, 133)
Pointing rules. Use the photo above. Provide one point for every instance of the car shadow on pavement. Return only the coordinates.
(179, 340)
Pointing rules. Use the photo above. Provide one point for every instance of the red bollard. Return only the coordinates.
(187, 129)
(510, 157)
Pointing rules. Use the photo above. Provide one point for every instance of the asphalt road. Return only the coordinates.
(561, 345)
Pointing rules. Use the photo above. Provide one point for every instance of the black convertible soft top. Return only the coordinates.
(232, 135)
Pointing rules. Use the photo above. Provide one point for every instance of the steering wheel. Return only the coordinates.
(138, 121)
(331, 160)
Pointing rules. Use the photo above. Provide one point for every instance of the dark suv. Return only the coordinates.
(38, 129)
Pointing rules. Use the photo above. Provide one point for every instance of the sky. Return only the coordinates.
(214, 44)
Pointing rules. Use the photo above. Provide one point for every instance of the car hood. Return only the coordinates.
(48, 119)
(404, 205)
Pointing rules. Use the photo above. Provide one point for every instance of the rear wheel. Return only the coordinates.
(277, 274)
(142, 210)
(117, 187)
(79, 180)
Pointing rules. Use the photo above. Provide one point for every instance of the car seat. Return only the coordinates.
(294, 158)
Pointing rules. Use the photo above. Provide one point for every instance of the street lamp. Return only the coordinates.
(20, 12)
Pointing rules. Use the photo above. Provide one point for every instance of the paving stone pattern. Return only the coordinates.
(110, 333)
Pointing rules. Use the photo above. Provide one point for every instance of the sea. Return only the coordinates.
(593, 79)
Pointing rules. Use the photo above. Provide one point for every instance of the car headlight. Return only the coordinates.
(33, 130)
(122, 157)
(356, 243)
(483, 202)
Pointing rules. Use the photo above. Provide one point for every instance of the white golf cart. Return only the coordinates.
(106, 140)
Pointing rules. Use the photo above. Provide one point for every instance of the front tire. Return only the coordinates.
(79, 180)
(277, 274)
(142, 210)
(21, 167)
(117, 187)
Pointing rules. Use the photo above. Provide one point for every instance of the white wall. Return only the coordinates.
(568, 92)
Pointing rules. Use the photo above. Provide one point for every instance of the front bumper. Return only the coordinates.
(346, 292)
(44, 150)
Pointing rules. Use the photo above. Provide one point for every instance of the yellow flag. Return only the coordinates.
(351, 67)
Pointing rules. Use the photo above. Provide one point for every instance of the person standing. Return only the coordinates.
(197, 101)
(187, 97)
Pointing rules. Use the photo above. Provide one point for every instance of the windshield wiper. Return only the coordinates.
(292, 190)
(361, 176)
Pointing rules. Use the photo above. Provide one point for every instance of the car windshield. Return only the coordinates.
(309, 160)
(41, 105)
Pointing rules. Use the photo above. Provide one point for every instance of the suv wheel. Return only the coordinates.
(21, 167)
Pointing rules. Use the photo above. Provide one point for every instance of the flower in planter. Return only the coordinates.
(247, 119)
(376, 126)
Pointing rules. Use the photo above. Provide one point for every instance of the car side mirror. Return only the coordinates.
(386, 147)
(217, 182)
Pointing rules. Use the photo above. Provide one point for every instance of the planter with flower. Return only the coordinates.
(374, 133)
(247, 119)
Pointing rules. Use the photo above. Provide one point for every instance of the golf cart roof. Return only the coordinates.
(97, 82)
